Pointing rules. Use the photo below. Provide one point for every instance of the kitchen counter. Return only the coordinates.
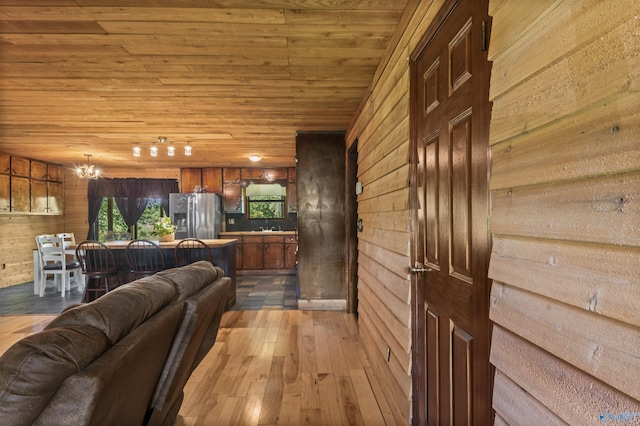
(267, 233)
(213, 243)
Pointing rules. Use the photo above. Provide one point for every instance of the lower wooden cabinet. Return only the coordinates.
(274, 252)
(252, 253)
(264, 252)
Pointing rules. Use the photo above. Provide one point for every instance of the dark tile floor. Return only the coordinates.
(254, 292)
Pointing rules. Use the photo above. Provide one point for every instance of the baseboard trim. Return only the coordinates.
(322, 305)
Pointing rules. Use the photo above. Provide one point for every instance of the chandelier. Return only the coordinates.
(153, 150)
(88, 171)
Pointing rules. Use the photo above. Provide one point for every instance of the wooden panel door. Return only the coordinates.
(450, 117)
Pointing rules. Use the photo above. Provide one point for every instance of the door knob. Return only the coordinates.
(419, 269)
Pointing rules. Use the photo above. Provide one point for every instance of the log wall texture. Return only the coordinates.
(565, 183)
(565, 223)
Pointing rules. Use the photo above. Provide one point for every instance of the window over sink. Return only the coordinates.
(265, 201)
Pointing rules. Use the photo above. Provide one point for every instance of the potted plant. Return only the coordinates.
(164, 229)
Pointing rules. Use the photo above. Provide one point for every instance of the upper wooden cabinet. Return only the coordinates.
(55, 172)
(30, 186)
(190, 180)
(5, 193)
(38, 170)
(20, 166)
(252, 174)
(275, 174)
(231, 175)
(20, 194)
(212, 180)
(5, 164)
(229, 181)
(55, 197)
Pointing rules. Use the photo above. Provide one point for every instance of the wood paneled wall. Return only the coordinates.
(19, 230)
(384, 286)
(565, 183)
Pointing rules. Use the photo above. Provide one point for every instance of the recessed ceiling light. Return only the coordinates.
(255, 158)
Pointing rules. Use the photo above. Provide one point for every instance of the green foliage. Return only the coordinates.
(144, 226)
(163, 226)
(266, 207)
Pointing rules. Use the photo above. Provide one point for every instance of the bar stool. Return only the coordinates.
(191, 250)
(145, 258)
(98, 265)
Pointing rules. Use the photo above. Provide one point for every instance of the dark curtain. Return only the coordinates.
(94, 210)
(137, 191)
(131, 209)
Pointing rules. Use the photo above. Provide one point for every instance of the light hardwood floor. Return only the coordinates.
(271, 367)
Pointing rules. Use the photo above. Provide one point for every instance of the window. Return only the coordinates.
(265, 201)
(111, 225)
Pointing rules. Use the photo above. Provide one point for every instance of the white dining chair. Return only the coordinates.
(53, 261)
(69, 240)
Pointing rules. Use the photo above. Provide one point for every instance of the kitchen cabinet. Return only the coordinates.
(190, 180)
(231, 175)
(30, 186)
(252, 174)
(55, 197)
(46, 195)
(55, 172)
(212, 180)
(5, 164)
(233, 197)
(20, 166)
(252, 252)
(290, 252)
(276, 174)
(260, 251)
(20, 194)
(273, 252)
(38, 170)
(5, 193)
(39, 195)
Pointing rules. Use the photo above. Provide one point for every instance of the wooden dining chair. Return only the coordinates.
(98, 265)
(145, 258)
(53, 261)
(191, 250)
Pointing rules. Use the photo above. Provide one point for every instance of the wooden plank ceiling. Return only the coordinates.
(230, 77)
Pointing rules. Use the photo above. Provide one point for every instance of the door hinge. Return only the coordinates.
(484, 36)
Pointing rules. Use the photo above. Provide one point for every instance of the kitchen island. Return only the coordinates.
(223, 252)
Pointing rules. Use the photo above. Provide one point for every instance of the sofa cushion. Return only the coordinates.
(122, 309)
(194, 339)
(32, 370)
(116, 388)
(191, 278)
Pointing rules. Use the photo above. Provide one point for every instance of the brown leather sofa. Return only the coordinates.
(122, 359)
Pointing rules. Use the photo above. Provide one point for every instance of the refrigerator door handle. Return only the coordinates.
(190, 219)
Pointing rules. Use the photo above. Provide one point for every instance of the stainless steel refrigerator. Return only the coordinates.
(197, 215)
